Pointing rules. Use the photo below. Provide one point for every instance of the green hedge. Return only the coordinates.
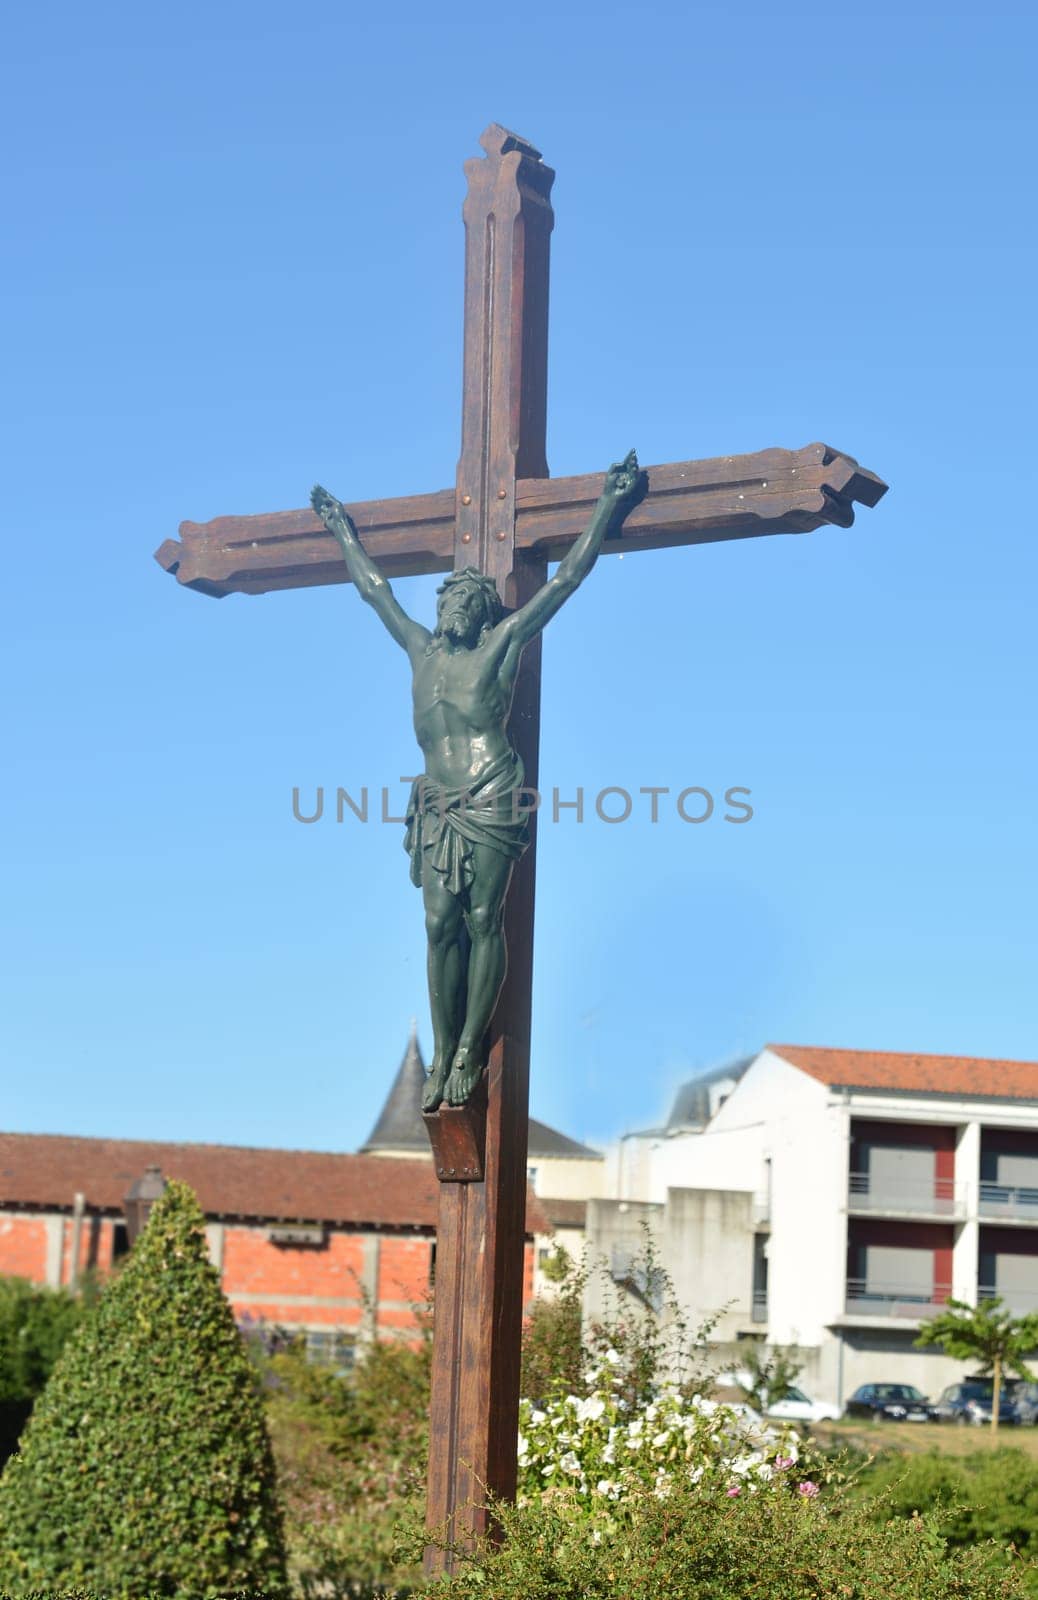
(146, 1468)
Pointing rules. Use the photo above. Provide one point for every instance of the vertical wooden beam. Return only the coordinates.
(482, 1224)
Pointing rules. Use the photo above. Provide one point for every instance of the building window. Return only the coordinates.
(330, 1347)
(531, 1176)
(432, 1265)
(759, 1308)
(120, 1242)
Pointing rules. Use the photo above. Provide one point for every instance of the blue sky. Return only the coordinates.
(233, 265)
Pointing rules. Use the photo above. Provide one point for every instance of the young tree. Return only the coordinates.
(771, 1373)
(553, 1352)
(146, 1467)
(988, 1334)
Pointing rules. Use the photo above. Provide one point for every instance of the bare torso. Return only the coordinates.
(462, 698)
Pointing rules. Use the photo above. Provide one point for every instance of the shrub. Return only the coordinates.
(34, 1324)
(700, 1543)
(553, 1350)
(981, 1496)
(351, 1456)
(146, 1468)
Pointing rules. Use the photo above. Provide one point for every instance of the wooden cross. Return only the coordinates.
(509, 519)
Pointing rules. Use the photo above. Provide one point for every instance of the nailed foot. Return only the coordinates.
(433, 1092)
(464, 1075)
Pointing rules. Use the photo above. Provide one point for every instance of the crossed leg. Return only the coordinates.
(484, 918)
(447, 963)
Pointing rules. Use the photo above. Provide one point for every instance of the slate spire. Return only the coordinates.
(399, 1123)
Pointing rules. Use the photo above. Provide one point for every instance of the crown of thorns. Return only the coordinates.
(489, 599)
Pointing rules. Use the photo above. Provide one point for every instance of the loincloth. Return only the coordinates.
(443, 824)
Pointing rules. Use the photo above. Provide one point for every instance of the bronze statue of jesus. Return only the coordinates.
(466, 826)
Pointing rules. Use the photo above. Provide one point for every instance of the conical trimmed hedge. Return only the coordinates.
(146, 1468)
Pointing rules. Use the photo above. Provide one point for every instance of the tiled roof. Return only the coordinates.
(48, 1170)
(545, 1141)
(565, 1213)
(885, 1069)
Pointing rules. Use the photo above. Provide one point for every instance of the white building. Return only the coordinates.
(834, 1199)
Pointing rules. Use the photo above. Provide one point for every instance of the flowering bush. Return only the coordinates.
(601, 1447)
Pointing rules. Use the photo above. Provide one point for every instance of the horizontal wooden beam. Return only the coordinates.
(689, 502)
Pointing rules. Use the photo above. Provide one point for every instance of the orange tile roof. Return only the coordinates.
(887, 1069)
(565, 1213)
(46, 1170)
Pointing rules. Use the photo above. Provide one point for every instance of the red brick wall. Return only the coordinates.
(403, 1281)
(23, 1247)
(252, 1262)
(293, 1285)
(256, 1271)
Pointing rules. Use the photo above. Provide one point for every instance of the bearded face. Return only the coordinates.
(460, 615)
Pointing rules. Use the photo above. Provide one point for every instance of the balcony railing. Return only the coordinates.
(941, 1197)
(1019, 1301)
(866, 1298)
(1002, 1201)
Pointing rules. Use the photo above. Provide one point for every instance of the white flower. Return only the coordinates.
(660, 1440)
(609, 1487)
(569, 1463)
(613, 1357)
(591, 1409)
(538, 1416)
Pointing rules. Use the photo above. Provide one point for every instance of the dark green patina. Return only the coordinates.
(466, 822)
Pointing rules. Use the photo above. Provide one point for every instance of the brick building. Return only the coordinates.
(339, 1247)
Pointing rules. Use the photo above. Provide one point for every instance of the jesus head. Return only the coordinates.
(467, 606)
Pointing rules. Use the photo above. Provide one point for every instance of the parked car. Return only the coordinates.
(796, 1406)
(1024, 1396)
(971, 1402)
(890, 1402)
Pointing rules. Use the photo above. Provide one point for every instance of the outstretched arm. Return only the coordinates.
(626, 485)
(368, 580)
